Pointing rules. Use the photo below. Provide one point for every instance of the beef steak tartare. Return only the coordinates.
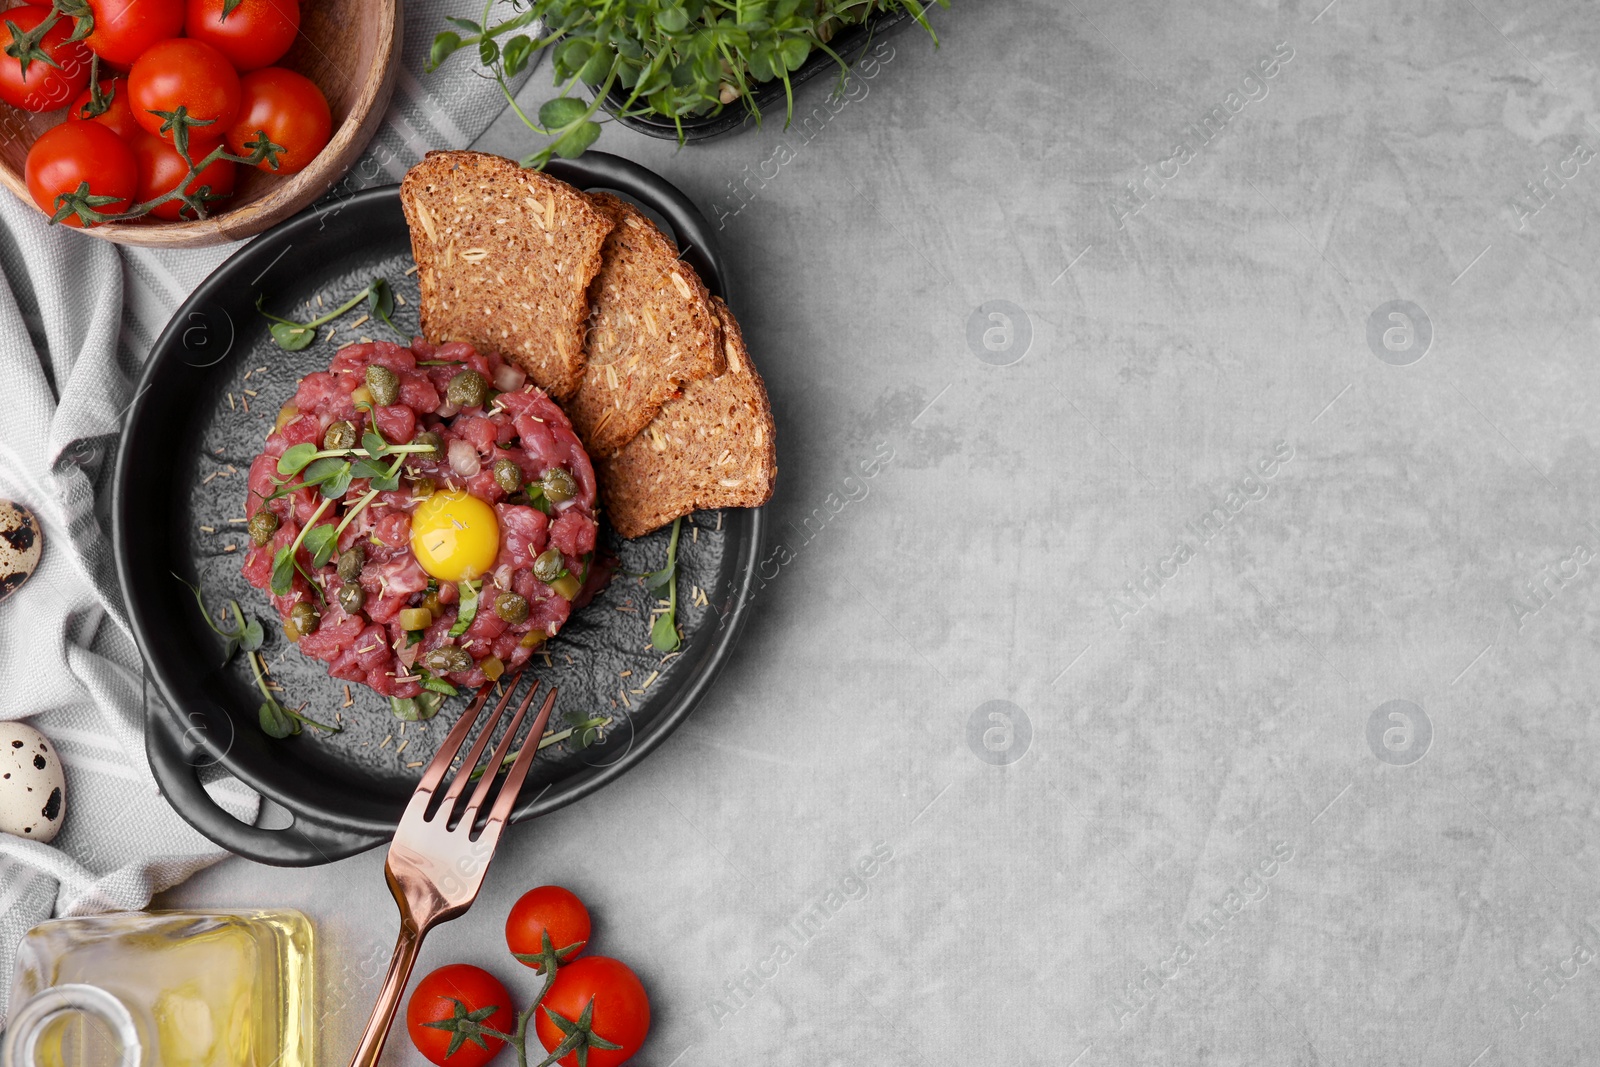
(422, 518)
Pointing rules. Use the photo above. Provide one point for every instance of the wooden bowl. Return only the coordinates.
(350, 48)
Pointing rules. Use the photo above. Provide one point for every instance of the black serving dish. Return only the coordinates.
(180, 478)
(850, 44)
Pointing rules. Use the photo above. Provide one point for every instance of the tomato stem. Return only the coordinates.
(85, 206)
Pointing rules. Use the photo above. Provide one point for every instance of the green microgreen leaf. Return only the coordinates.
(319, 471)
(664, 631)
(289, 334)
(275, 720)
(295, 458)
(282, 571)
(320, 541)
(562, 111)
(444, 46)
(438, 685)
(419, 708)
(469, 607)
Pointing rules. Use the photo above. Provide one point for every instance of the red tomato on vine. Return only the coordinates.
(39, 71)
(597, 1002)
(254, 34)
(67, 156)
(551, 910)
(123, 29)
(290, 109)
(449, 1009)
(118, 116)
(161, 169)
(180, 77)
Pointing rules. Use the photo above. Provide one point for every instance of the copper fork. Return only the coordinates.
(435, 869)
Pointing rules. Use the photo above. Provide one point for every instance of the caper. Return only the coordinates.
(263, 524)
(434, 442)
(447, 659)
(384, 384)
(547, 565)
(421, 488)
(350, 561)
(467, 390)
(559, 485)
(304, 618)
(352, 598)
(511, 608)
(507, 475)
(341, 435)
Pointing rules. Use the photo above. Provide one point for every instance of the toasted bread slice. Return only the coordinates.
(651, 329)
(505, 257)
(712, 447)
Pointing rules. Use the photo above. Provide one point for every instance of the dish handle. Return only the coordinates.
(176, 759)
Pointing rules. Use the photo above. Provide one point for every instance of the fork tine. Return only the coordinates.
(452, 744)
(499, 758)
(519, 770)
(458, 784)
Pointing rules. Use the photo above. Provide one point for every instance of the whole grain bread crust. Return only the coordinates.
(714, 446)
(652, 329)
(505, 256)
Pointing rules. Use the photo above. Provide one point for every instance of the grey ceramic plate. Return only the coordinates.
(179, 496)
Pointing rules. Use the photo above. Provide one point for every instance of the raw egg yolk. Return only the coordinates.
(455, 536)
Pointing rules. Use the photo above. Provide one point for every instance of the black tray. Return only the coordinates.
(850, 44)
(346, 791)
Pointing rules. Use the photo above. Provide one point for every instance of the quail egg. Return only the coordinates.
(32, 786)
(21, 542)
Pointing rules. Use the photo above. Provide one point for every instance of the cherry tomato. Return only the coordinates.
(187, 74)
(67, 155)
(123, 29)
(43, 87)
(551, 908)
(118, 117)
(161, 169)
(621, 1009)
(253, 35)
(292, 111)
(457, 991)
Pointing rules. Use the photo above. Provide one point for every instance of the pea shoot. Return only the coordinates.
(673, 59)
(247, 636)
(292, 336)
(588, 730)
(331, 471)
(664, 635)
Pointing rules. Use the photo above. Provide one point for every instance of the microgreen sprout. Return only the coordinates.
(292, 336)
(247, 636)
(664, 635)
(673, 59)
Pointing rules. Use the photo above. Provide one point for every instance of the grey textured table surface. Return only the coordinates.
(1237, 435)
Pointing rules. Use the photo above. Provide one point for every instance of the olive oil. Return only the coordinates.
(164, 989)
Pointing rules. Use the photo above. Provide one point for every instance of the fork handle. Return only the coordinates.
(406, 948)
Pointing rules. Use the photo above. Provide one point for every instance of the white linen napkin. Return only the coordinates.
(77, 318)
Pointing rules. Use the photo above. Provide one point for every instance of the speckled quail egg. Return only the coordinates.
(21, 542)
(33, 789)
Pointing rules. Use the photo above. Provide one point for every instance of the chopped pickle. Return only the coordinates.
(286, 414)
(567, 586)
(415, 618)
(492, 668)
(531, 639)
